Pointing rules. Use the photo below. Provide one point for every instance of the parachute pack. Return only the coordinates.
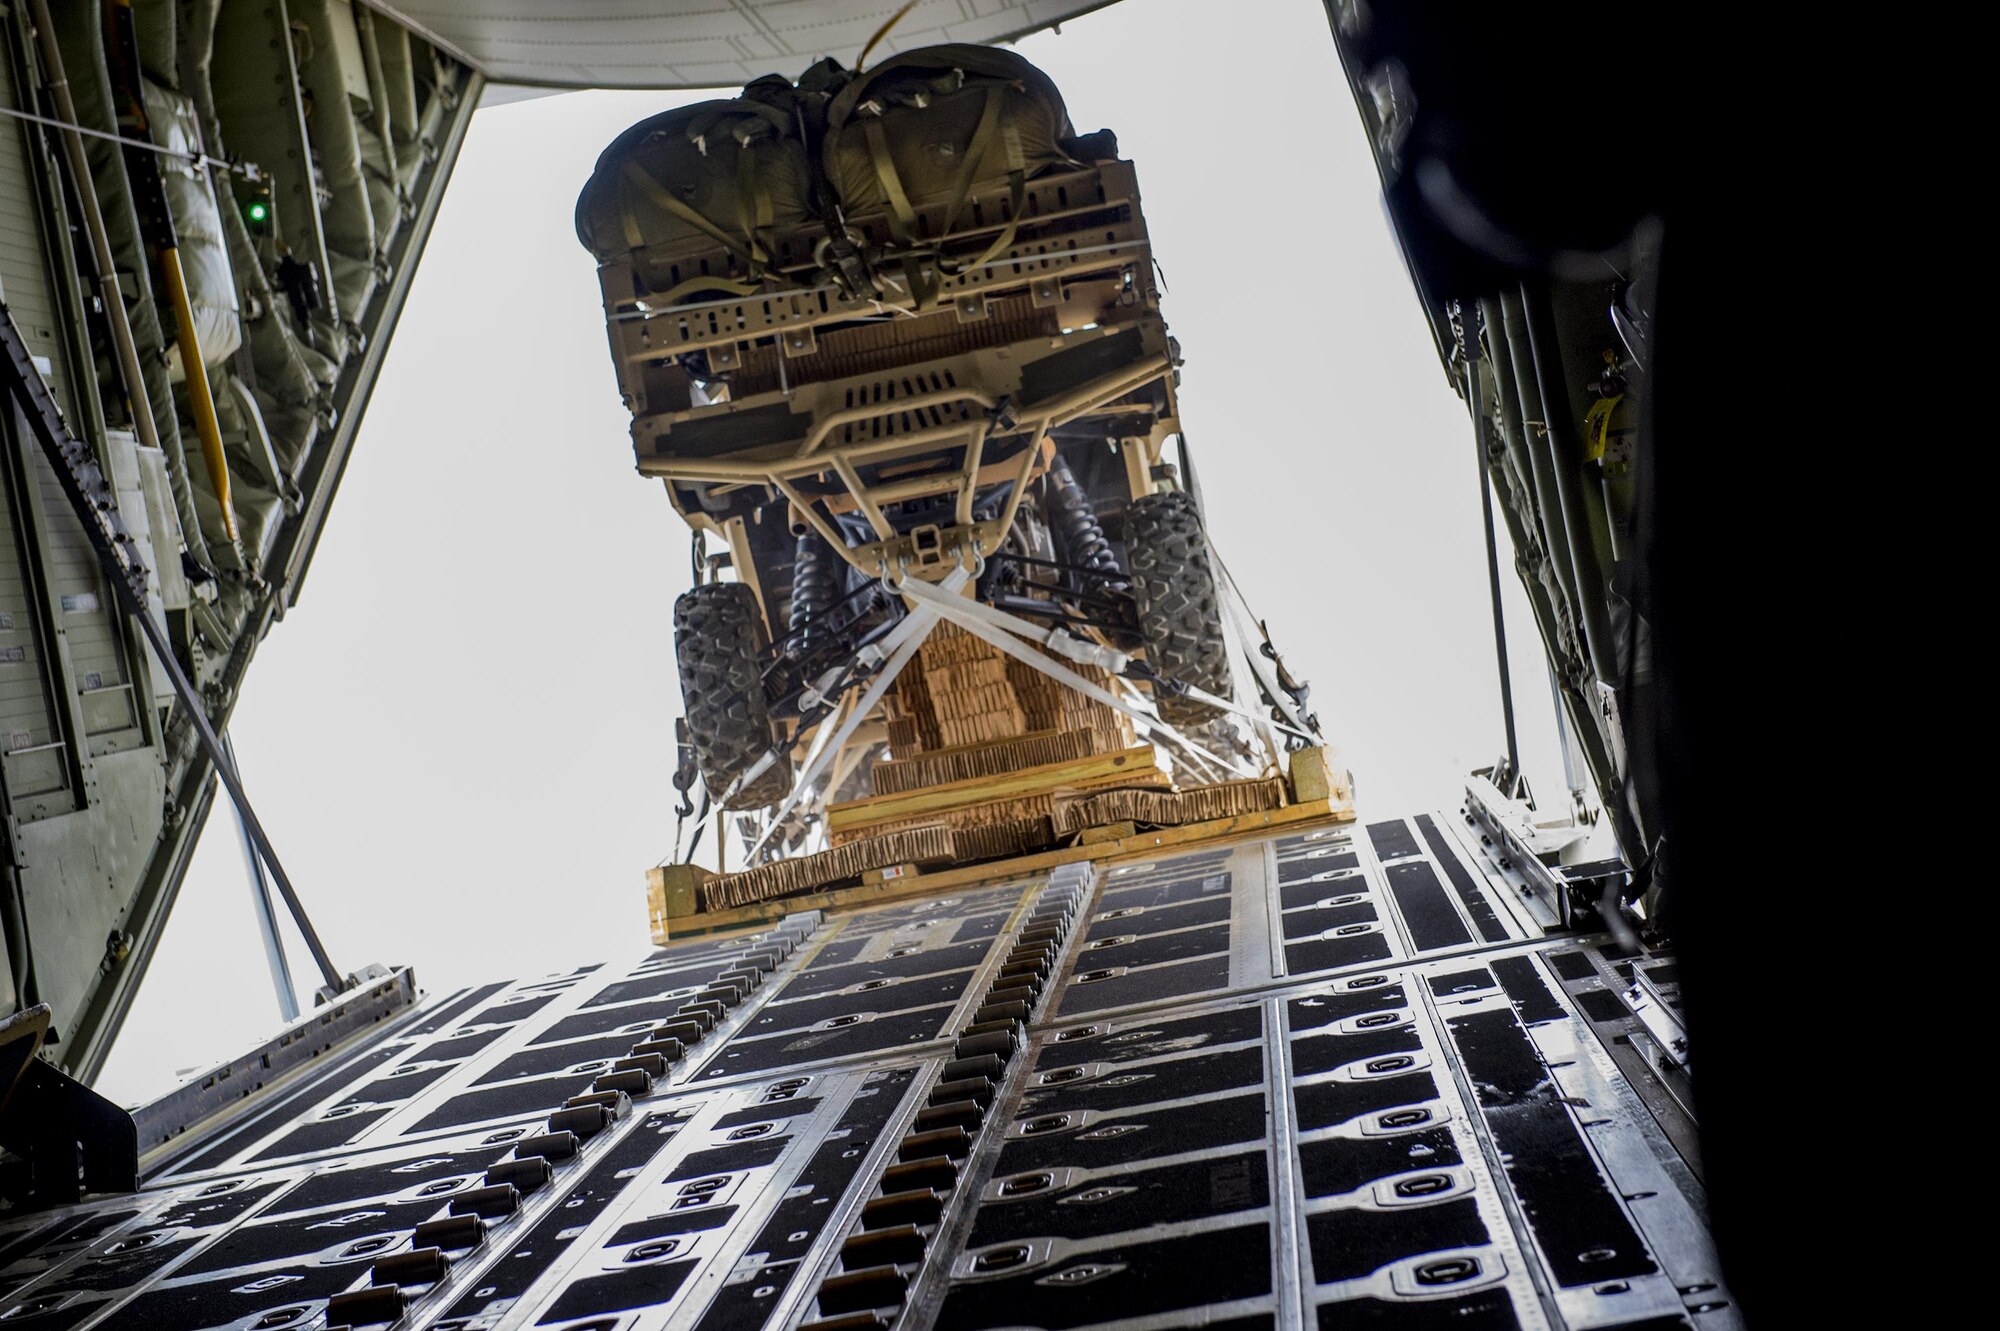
(797, 180)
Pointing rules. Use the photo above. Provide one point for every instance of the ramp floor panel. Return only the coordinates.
(1327, 1080)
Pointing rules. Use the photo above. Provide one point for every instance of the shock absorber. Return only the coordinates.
(815, 588)
(1080, 538)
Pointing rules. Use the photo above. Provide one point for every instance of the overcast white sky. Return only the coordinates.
(461, 738)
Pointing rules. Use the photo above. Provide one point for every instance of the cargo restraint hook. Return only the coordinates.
(96, 507)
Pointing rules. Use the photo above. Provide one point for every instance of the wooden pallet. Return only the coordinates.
(687, 899)
(952, 878)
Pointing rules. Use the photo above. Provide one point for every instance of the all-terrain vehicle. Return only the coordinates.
(882, 325)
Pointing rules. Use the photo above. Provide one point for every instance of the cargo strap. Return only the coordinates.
(749, 124)
(740, 119)
(1007, 632)
(922, 283)
(673, 295)
(899, 647)
(752, 254)
(903, 217)
(753, 201)
(1017, 177)
(1017, 182)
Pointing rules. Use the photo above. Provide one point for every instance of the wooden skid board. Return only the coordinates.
(955, 877)
(1030, 830)
(978, 760)
(1167, 808)
(1135, 766)
(1002, 812)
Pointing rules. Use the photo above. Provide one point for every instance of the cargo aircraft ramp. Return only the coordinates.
(1336, 1077)
(1051, 976)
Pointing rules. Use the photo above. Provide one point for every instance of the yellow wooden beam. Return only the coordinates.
(1312, 778)
(673, 890)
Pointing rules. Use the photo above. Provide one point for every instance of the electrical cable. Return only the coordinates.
(198, 159)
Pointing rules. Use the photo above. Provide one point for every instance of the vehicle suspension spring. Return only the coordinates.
(815, 589)
(1080, 538)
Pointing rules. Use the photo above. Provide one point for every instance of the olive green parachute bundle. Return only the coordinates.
(938, 125)
(730, 173)
(929, 129)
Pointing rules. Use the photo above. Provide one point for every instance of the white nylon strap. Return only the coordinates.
(975, 620)
(902, 644)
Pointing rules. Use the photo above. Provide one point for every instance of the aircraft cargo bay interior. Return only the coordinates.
(971, 664)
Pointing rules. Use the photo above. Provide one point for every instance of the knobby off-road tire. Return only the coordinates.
(717, 633)
(1180, 612)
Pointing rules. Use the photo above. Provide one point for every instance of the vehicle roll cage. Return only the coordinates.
(844, 398)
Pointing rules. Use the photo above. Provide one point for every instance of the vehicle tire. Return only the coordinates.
(1180, 613)
(717, 633)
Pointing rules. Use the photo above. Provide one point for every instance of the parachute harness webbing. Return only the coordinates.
(662, 198)
(902, 217)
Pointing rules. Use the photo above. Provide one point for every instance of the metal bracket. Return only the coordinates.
(1651, 1007)
(1562, 898)
(203, 1102)
(66, 1138)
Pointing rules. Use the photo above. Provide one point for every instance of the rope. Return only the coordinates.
(861, 61)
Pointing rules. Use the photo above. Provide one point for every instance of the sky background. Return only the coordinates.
(461, 738)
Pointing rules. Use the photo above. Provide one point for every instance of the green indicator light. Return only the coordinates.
(257, 212)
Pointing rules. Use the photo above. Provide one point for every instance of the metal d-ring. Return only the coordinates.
(893, 582)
